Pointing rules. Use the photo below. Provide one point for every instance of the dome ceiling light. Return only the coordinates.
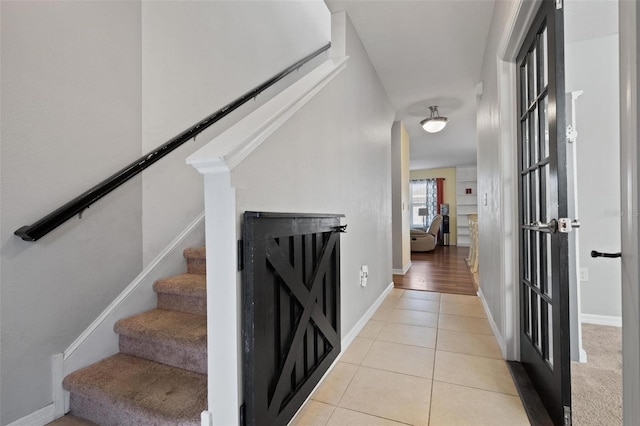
(434, 123)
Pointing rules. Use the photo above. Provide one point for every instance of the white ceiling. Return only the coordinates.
(426, 53)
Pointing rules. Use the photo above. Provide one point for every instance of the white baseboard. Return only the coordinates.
(494, 328)
(355, 330)
(206, 418)
(37, 418)
(99, 340)
(59, 394)
(583, 356)
(601, 320)
(402, 271)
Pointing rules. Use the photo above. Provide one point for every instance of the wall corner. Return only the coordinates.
(339, 34)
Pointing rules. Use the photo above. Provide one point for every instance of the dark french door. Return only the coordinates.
(544, 263)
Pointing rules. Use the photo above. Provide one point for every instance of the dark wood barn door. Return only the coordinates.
(291, 297)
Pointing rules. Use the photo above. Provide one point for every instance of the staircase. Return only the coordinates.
(160, 375)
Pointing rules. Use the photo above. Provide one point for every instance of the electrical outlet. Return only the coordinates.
(364, 274)
(584, 274)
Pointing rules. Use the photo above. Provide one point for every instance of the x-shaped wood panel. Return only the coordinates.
(311, 310)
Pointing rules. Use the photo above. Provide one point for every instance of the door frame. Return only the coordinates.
(629, 26)
(521, 17)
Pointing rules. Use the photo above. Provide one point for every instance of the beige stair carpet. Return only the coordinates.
(174, 338)
(159, 376)
(136, 391)
(184, 293)
(597, 384)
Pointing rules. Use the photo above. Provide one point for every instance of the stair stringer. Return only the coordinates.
(99, 341)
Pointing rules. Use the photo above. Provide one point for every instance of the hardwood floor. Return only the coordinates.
(443, 270)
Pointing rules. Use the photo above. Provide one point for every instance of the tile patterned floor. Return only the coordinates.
(423, 359)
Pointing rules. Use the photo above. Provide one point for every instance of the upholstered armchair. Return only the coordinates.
(426, 240)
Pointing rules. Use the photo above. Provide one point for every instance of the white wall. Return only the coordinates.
(88, 87)
(70, 117)
(334, 156)
(490, 179)
(196, 58)
(592, 66)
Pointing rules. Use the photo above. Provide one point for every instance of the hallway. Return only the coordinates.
(424, 358)
(442, 270)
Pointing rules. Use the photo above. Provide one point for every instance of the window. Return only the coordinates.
(423, 194)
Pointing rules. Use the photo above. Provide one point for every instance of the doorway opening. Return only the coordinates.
(593, 146)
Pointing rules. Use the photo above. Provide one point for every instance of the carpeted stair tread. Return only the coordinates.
(195, 253)
(196, 260)
(184, 293)
(193, 285)
(133, 390)
(172, 327)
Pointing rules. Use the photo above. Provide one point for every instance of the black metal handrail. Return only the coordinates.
(83, 201)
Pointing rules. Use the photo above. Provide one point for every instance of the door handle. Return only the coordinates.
(563, 225)
(600, 254)
(540, 226)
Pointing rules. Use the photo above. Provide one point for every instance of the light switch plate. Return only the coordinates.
(364, 275)
(584, 274)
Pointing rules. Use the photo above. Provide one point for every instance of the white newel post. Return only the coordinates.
(223, 297)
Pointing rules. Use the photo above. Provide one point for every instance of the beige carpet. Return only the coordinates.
(71, 420)
(159, 377)
(597, 384)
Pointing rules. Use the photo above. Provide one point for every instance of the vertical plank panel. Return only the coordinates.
(319, 341)
(336, 289)
(335, 285)
(284, 318)
(298, 263)
(309, 268)
(331, 293)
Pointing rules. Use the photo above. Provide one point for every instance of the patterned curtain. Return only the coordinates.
(440, 190)
(424, 194)
(432, 200)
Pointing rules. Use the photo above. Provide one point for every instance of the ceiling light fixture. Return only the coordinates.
(434, 123)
